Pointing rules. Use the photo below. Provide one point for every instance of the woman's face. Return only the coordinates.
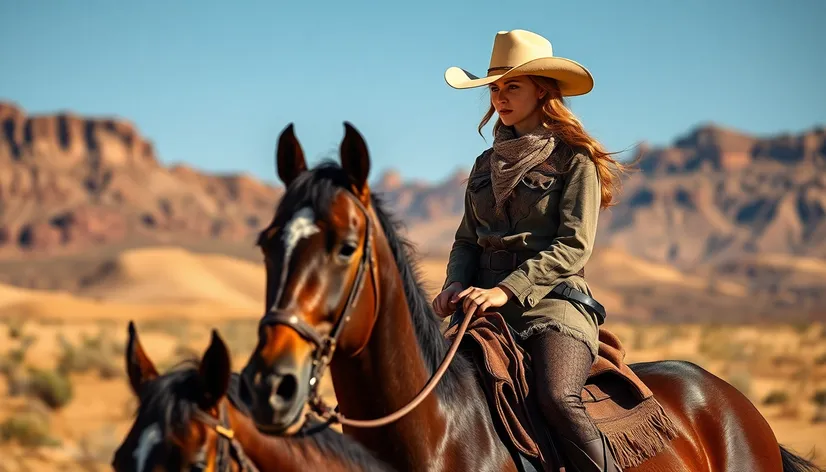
(516, 100)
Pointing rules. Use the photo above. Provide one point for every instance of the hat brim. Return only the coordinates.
(573, 78)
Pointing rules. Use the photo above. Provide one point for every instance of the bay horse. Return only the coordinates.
(342, 291)
(186, 421)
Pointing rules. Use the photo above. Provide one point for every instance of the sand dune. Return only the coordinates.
(153, 283)
(9, 294)
(619, 268)
(165, 275)
(808, 265)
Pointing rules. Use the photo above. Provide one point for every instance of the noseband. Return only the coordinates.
(228, 447)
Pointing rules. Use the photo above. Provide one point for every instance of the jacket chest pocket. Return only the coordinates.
(481, 196)
(537, 193)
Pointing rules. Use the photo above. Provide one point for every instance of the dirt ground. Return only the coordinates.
(782, 368)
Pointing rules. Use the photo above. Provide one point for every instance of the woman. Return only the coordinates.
(529, 226)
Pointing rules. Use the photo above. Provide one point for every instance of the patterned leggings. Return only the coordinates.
(561, 365)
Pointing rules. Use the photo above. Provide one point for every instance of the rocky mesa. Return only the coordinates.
(720, 220)
(69, 182)
(717, 195)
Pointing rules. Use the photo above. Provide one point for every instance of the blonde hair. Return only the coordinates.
(557, 117)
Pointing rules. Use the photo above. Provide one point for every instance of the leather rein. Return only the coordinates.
(325, 345)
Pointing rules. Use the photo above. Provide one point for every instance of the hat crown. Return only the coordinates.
(511, 48)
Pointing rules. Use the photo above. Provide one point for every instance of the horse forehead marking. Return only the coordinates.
(302, 225)
(150, 437)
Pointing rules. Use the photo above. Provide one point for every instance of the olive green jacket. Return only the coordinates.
(552, 219)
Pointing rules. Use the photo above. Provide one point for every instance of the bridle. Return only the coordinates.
(325, 345)
(229, 449)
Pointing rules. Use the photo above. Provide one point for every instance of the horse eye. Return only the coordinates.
(347, 250)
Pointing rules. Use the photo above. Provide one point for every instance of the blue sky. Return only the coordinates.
(212, 83)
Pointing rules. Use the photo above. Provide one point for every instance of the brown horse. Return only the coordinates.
(186, 422)
(341, 289)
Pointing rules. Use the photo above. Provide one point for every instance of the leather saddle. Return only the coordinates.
(621, 405)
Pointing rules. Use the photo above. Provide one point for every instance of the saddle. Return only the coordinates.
(620, 404)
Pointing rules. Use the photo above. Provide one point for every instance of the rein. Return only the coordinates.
(228, 447)
(325, 345)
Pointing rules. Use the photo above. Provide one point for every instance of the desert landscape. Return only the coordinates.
(716, 254)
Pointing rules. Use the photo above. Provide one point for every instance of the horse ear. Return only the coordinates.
(214, 372)
(138, 365)
(355, 159)
(289, 156)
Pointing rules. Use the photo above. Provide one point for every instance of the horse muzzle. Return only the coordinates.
(277, 400)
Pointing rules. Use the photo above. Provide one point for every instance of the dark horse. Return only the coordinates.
(186, 422)
(337, 270)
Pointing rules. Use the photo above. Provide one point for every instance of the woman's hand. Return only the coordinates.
(443, 304)
(480, 299)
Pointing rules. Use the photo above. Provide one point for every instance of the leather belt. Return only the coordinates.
(503, 260)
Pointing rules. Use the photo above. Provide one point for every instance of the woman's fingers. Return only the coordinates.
(484, 307)
(472, 310)
(466, 291)
(469, 301)
(439, 305)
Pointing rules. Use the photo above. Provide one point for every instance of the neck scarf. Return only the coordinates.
(514, 156)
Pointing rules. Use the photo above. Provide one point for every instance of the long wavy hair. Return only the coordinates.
(566, 127)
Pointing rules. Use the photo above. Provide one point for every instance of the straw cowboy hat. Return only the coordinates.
(521, 52)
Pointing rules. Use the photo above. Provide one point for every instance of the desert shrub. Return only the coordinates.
(17, 355)
(776, 397)
(667, 335)
(819, 398)
(15, 326)
(28, 429)
(98, 353)
(52, 387)
(177, 328)
(717, 347)
(638, 338)
(786, 360)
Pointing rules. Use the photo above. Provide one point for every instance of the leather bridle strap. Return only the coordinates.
(229, 448)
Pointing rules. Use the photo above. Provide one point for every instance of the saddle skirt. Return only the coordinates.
(621, 405)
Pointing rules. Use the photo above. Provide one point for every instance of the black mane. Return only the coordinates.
(316, 188)
(172, 397)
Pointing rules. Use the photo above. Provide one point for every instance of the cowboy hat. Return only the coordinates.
(521, 52)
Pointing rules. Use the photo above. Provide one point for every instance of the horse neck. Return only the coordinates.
(387, 374)
(282, 454)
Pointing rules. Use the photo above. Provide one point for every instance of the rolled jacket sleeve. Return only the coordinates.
(464, 255)
(579, 210)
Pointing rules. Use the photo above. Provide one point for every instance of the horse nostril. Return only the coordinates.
(287, 388)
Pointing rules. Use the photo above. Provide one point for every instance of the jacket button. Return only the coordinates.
(531, 300)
